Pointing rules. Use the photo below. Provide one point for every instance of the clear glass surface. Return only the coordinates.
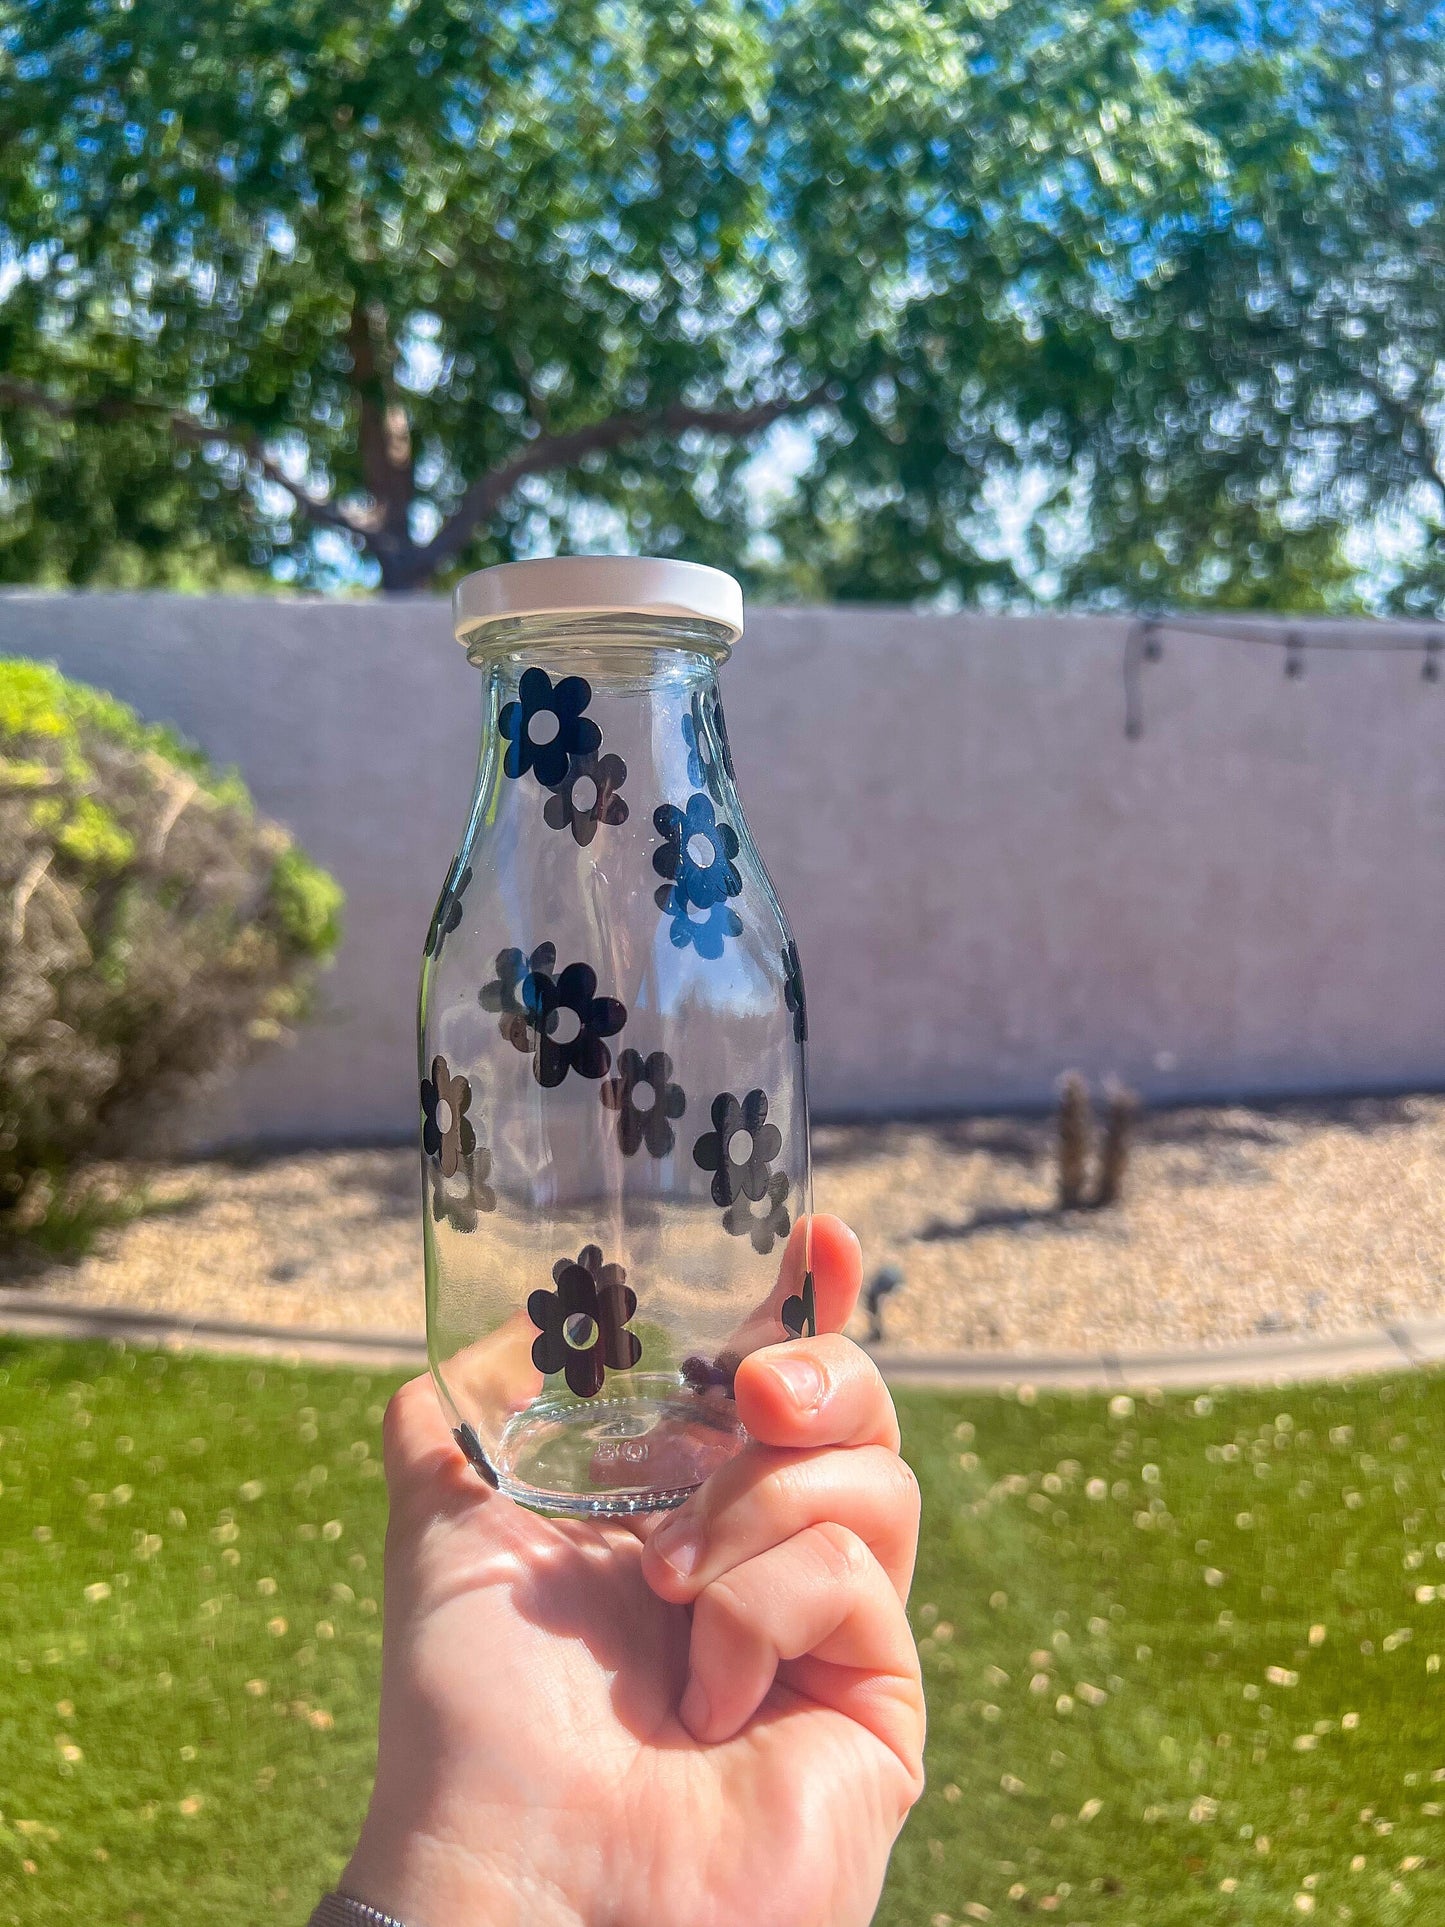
(615, 1162)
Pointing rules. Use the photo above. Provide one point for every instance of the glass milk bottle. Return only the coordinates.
(614, 1122)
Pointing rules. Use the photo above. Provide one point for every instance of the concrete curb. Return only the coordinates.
(24, 1316)
(1264, 1361)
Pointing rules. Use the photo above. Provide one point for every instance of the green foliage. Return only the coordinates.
(152, 930)
(308, 903)
(87, 832)
(36, 700)
(169, 1541)
(538, 275)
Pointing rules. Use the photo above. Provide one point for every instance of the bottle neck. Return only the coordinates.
(659, 676)
(610, 729)
(601, 646)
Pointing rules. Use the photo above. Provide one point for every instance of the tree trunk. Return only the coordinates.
(403, 568)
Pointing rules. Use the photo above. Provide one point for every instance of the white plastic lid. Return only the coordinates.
(638, 585)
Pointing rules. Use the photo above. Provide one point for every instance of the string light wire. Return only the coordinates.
(1145, 644)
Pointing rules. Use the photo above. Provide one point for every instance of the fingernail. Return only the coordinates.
(802, 1380)
(695, 1710)
(679, 1544)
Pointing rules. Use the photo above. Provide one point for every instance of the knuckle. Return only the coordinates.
(844, 1558)
(735, 1483)
(892, 1430)
(723, 1606)
(394, 1418)
(896, 1484)
(730, 1493)
(398, 1422)
(843, 1360)
(791, 1483)
(848, 1366)
(909, 1492)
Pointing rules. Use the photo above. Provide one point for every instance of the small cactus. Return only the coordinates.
(882, 1285)
(1076, 1131)
(1122, 1108)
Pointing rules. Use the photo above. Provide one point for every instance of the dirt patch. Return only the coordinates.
(1237, 1222)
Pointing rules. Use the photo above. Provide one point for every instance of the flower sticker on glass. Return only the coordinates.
(697, 852)
(504, 993)
(706, 931)
(448, 913)
(588, 795)
(704, 1375)
(739, 1149)
(459, 1198)
(702, 765)
(800, 1314)
(645, 1102)
(563, 1022)
(769, 1224)
(446, 1132)
(545, 727)
(793, 993)
(720, 730)
(582, 1325)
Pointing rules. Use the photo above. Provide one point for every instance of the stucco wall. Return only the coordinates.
(987, 881)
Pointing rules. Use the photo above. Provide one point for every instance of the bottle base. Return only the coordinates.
(603, 1457)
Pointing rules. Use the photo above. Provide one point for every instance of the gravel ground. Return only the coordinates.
(1236, 1221)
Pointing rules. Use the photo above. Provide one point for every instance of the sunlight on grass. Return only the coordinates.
(190, 1570)
(1183, 1655)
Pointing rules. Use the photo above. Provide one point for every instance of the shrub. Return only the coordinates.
(153, 927)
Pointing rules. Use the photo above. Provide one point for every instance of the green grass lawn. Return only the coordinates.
(1182, 1655)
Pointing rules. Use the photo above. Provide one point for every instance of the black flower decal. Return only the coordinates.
(648, 1122)
(560, 1019)
(702, 727)
(800, 1314)
(697, 852)
(542, 746)
(448, 913)
(582, 1325)
(504, 992)
(446, 1133)
(702, 764)
(706, 934)
(600, 778)
(702, 1375)
(738, 1176)
(460, 1197)
(793, 991)
(720, 730)
(764, 1227)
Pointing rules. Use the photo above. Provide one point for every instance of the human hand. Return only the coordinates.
(702, 1718)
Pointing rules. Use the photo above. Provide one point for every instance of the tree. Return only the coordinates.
(441, 283)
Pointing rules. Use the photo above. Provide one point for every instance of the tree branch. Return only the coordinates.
(384, 433)
(485, 495)
(383, 528)
(185, 428)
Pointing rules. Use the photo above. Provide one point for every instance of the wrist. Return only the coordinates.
(428, 1880)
